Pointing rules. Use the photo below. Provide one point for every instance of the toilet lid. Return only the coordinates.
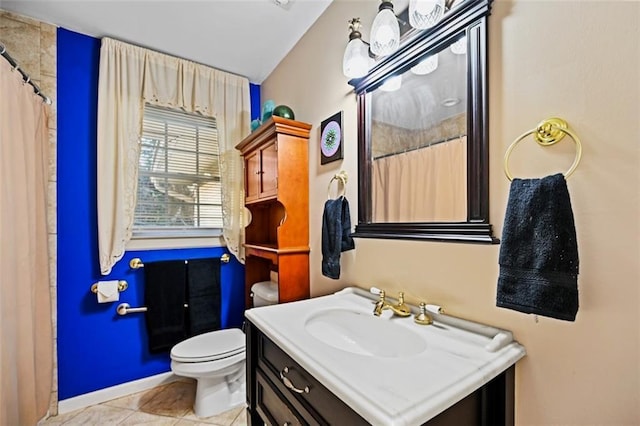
(210, 346)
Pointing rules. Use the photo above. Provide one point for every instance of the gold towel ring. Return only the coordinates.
(548, 132)
(342, 177)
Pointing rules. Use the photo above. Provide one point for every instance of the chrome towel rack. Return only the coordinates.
(125, 308)
(548, 132)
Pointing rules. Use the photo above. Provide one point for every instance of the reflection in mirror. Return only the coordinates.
(418, 142)
(422, 134)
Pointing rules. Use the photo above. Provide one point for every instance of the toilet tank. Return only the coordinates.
(264, 293)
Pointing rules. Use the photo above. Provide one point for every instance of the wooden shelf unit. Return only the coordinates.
(276, 171)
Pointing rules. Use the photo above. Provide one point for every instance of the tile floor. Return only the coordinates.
(170, 405)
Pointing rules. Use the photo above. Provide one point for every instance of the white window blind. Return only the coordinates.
(179, 192)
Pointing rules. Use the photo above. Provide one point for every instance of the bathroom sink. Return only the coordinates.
(364, 334)
(388, 369)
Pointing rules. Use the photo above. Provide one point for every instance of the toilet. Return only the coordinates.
(217, 361)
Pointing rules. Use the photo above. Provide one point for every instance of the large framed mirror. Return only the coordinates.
(422, 134)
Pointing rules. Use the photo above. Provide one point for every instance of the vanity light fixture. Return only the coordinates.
(460, 46)
(356, 60)
(426, 66)
(385, 33)
(425, 14)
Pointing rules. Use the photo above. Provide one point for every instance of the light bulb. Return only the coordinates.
(356, 61)
(385, 31)
(392, 83)
(426, 66)
(425, 14)
(460, 46)
(424, 7)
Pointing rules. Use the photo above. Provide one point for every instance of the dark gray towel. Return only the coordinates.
(164, 296)
(203, 295)
(539, 252)
(336, 235)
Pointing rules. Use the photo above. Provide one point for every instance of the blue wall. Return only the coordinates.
(96, 347)
(254, 90)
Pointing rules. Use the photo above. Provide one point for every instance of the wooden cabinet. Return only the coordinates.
(261, 173)
(276, 170)
(276, 394)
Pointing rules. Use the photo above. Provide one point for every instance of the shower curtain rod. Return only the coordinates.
(25, 76)
(415, 148)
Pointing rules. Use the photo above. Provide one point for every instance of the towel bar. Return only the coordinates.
(125, 308)
(136, 262)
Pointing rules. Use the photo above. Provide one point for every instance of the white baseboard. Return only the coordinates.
(113, 392)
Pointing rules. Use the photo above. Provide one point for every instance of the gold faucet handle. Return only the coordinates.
(423, 318)
(378, 292)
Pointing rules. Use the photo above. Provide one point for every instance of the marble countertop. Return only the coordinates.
(396, 389)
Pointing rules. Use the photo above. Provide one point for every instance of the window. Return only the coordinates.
(179, 190)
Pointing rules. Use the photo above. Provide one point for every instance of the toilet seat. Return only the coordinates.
(212, 346)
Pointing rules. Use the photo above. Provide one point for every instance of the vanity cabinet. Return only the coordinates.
(276, 171)
(280, 391)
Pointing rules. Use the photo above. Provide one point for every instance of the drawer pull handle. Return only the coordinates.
(289, 385)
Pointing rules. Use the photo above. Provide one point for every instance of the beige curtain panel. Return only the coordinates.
(26, 342)
(131, 76)
(424, 185)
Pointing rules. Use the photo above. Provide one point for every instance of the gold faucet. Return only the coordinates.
(400, 309)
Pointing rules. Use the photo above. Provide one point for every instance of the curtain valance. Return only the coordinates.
(131, 76)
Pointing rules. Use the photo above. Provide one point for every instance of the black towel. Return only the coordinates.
(164, 296)
(336, 235)
(203, 295)
(539, 252)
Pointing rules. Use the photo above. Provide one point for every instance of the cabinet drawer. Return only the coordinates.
(315, 403)
(271, 406)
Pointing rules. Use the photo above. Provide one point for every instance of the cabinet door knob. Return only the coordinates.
(258, 172)
(289, 385)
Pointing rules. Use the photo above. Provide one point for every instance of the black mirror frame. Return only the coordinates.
(470, 18)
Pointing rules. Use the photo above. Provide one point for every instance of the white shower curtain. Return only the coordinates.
(26, 348)
(423, 185)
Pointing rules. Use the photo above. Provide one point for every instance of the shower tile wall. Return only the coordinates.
(33, 45)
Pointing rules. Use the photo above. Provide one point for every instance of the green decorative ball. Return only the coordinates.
(284, 112)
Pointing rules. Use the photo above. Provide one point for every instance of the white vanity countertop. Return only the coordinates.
(394, 389)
